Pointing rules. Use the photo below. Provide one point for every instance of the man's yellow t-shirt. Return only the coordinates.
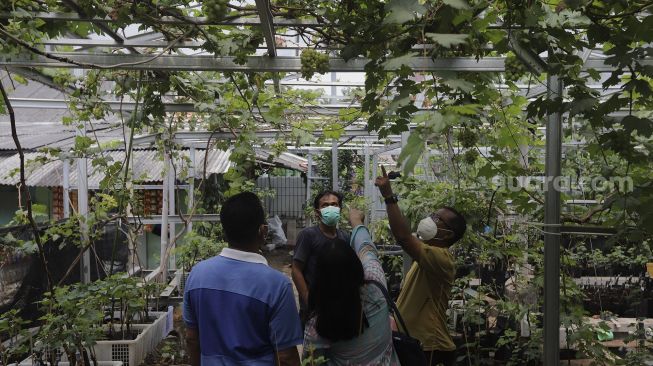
(424, 298)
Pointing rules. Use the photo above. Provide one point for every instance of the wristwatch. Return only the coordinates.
(392, 199)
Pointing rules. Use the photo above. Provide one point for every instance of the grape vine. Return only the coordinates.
(313, 62)
(215, 9)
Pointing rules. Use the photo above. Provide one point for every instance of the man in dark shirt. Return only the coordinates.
(309, 241)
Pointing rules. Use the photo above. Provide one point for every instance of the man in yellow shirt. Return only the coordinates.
(424, 297)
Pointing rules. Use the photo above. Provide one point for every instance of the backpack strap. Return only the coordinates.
(391, 304)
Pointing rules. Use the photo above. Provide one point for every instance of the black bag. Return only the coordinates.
(409, 349)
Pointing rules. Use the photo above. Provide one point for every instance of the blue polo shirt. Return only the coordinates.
(243, 310)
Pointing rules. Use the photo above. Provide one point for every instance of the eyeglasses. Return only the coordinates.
(437, 219)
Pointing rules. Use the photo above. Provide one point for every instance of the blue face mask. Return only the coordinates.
(330, 215)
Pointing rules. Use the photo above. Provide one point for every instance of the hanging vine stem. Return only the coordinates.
(127, 160)
(22, 186)
(512, 134)
(244, 98)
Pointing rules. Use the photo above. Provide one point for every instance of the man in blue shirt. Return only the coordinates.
(237, 310)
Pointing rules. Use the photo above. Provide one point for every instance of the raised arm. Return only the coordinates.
(359, 236)
(361, 241)
(398, 224)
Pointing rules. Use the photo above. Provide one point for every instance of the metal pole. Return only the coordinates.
(172, 206)
(334, 165)
(66, 188)
(552, 229)
(368, 184)
(163, 265)
(309, 176)
(408, 261)
(191, 183)
(82, 209)
(132, 241)
(450, 156)
(374, 191)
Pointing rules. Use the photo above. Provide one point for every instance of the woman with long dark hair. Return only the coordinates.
(349, 322)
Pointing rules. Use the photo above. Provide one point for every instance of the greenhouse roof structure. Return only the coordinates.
(480, 87)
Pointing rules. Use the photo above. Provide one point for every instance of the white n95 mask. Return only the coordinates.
(427, 229)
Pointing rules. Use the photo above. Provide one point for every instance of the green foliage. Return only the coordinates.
(352, 201)
(380, 230)
(347, 161)
(467, 138)
(12, 331)
(73, 321)
(196, 247)
(76, 316)
(391, 35)
(311, 357)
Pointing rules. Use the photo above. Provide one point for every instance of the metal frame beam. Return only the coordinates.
(174, 219)
(152, 40)
(74, 17)
(84, 42)
(115, 106)
(183, 136)
(262, 63)
(267, 27)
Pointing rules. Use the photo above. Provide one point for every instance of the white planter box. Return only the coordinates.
(130, 352)
(133, 352)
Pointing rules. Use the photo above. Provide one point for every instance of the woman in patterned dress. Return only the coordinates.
(349, 322)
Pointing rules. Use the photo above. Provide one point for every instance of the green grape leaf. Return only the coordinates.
(398, 62)
(465, 109)
(411, 153)
(457, 4)
(460, 84)
(582, 105)
(402, 11)
(447, 39)
(333, 131)
(350, 51)
(643, 126)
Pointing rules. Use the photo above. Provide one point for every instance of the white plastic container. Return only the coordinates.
(133, 352)
(129, 352)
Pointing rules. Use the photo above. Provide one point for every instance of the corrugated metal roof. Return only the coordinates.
(39, 127)
(147, 166)
(35, 135)
(32, 89)
(37, 172)
(284, 159)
